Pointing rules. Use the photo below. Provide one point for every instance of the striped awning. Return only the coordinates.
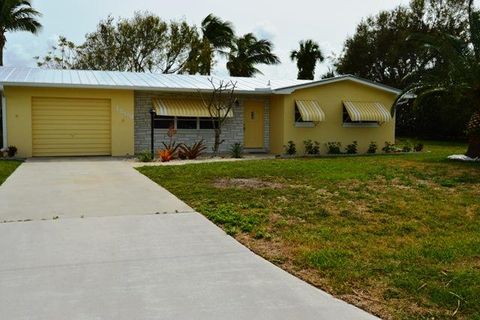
(183, 108)
(310, 110)
(367, 111)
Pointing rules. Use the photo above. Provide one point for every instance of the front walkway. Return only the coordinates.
(122, 262)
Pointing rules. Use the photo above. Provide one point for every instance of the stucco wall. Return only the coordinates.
(19, 115)
(232, 130)
(330, 97)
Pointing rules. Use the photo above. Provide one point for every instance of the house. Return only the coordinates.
(78, 113)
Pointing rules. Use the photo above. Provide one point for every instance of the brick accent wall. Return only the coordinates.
(232, 129)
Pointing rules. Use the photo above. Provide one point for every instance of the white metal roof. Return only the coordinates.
(36, 77)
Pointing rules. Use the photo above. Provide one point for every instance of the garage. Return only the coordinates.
(71, 127)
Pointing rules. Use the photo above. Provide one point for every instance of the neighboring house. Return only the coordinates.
(75, 113)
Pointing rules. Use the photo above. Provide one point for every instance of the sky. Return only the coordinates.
(329, 22)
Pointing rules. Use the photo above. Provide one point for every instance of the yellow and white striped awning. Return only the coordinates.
(367, 111)
(310, 110)
(183, 108)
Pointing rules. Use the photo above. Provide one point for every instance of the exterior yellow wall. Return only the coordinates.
(19, 115)
(330, 97)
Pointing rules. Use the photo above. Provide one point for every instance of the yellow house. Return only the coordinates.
(85, 113)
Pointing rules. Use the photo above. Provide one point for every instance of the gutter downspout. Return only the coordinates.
(4, 118)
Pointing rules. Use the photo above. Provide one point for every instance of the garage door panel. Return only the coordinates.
(71, 127)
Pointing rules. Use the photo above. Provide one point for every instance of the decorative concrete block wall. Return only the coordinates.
(232, 131)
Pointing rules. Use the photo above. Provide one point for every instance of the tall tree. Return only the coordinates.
(144, 43)
(17, 15)
(307, 57)
(246, 53)
(217, 36)
(452, 70)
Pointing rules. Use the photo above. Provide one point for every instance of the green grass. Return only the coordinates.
(396, 235)
(6, 169)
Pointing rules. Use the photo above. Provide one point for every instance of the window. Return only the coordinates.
(298, 115)
(186, 123)
(162, 122)
(299, 122)
(206, 123)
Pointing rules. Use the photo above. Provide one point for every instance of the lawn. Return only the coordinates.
(6, 169)
(398, 236)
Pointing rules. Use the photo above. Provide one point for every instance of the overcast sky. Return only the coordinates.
(328, 22)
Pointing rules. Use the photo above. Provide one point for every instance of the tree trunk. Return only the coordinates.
(2, 46)
(473, 131)
(218, 141)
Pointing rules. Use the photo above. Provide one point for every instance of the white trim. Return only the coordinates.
(4, 120)
(306, 124)
(289, 90)
(360, 125)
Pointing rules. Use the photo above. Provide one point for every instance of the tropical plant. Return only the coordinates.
(165, 155)
(311, 147)
(217, 35)
(307, 57)
(418, 147)
(334, 147)
(236, 150)
(372, 148)
(12, 151)
(407, 147)
(352, 148)
(453, 70)
(246, 53)
(290, 148)
(391, 148)
(17, 15)
(193, 151)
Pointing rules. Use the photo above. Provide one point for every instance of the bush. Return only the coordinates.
(171, 147)
(193, 152)
(236, 150)
(290, 148)
(391, 148)
(311, 147)
(407, 147)
(418, 147)
(372, 148)
(334, 147)
(352, 148)
(145, 156)
(12, 151)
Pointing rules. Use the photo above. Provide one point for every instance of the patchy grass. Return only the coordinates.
(6, 169)
(396, 235)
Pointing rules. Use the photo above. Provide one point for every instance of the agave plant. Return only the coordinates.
(453, 69)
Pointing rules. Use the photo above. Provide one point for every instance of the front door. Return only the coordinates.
(253, 124)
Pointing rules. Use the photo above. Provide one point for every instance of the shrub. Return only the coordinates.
(192, 152)
(372, 148)
(145, 156)
(418, 147)
(236, 150)
(12, 151)
(334, 147)
(391, 148)
(290, 148)
(171, 147)
(165, 155)
(311, 147)
(407, 147)
(352, 148)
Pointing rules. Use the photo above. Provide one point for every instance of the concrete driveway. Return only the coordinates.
(75, 187)
(133, 265)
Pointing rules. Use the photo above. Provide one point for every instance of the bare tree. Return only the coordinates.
(220, 103)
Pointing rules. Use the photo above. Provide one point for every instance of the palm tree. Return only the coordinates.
(217, 35)
(307, 56)
(16, 15)
(454, 69)
(246, 52)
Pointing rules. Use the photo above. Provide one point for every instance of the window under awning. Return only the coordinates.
(310, 110)
(367, 111)
(182, 108)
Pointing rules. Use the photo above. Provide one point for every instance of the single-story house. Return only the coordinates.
(77, 113)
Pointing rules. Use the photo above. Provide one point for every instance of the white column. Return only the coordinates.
(4, 121)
